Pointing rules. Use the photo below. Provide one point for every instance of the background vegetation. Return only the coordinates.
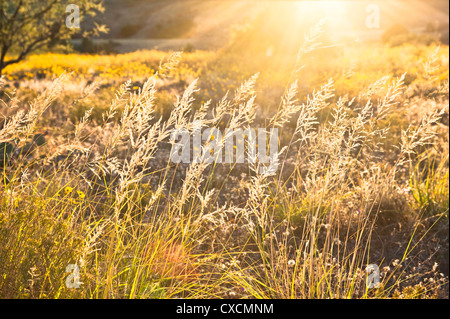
(363, 176)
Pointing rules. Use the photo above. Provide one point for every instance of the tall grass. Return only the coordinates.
(106, 197)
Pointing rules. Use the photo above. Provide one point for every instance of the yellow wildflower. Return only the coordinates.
(81, 195)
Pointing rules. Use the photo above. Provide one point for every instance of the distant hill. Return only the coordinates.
(206, 24)
(173, 20)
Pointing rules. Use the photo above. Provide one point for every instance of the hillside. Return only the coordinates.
(200, 24)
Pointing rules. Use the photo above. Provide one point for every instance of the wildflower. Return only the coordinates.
(74, 201)
(68, 190)
(291, 263)
(81, 195)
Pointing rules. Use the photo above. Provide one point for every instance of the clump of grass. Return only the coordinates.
(106, 198)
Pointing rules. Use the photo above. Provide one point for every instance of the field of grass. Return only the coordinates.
(363, 176)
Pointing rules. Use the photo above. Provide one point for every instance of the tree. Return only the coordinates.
(29, 25)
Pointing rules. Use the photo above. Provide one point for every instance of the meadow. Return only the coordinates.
(363, 175)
